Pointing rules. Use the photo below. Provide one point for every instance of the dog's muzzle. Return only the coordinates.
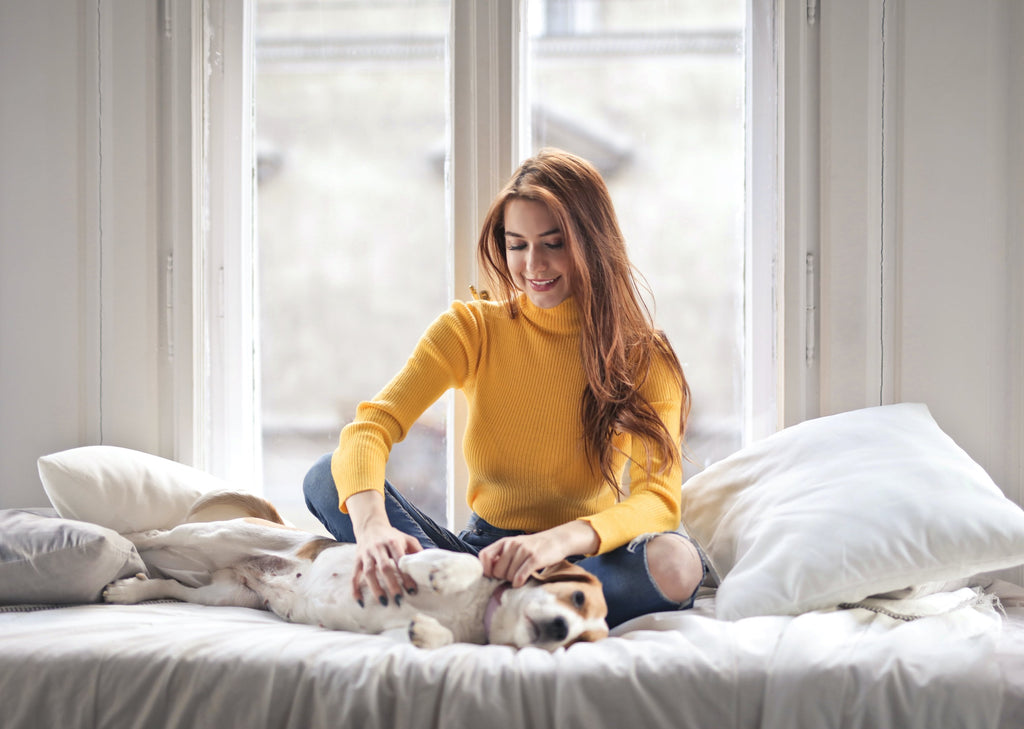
(553, 631)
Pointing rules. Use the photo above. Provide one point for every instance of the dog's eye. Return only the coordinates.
(578, 598)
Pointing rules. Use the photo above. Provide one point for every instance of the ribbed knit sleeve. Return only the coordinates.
(446, 355)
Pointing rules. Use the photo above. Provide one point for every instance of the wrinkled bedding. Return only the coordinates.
(168, 664)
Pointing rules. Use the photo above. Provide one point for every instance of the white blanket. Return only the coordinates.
(861, 668)
(190, 666)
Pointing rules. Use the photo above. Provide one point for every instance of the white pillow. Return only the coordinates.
(843, 507)
(121, 489)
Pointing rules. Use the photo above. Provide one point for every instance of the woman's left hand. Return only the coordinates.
(514, 559)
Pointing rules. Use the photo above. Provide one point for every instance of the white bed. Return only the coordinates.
(191, 666)
(804, 528)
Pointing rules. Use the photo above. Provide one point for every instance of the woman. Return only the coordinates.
(567, 381)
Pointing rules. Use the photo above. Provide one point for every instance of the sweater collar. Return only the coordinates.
(562, 319)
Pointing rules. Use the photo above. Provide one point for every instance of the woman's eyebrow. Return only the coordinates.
(553, 231)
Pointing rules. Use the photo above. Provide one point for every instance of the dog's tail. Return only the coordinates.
(222, 505)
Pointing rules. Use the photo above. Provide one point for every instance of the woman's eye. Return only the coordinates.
(554, 246)
(515, 246)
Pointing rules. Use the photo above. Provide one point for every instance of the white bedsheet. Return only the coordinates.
(190, 666)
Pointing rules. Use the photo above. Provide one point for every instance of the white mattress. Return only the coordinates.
(180, 665)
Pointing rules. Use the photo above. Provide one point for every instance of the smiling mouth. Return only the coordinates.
(544, 285)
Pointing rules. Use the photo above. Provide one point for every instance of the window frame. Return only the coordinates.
(224, 336)
(488, 129)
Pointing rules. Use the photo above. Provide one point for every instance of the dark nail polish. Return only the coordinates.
(411, 590)
(383, 601)
(398, 600)
(361, 604)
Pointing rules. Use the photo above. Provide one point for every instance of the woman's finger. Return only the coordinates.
(411, 546)
(357, 583)
(394, 583)
(364, 583)
(502, 558)
(511, 555)
(487, 557)
(377, 575)
(388, 577)
(521, 567)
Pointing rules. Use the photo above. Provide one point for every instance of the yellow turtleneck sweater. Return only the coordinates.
(523, 380)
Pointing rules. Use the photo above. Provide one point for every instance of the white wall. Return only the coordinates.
(43, 360)
(959, 319)
(79, 320)
(921, 238)
(920, 235)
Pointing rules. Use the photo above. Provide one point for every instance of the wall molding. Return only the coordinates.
(861, 119)
(890, 58)
(90, 249)
(118, 229)
(1014, 26)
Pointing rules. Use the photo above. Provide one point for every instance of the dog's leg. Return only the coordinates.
(426, 632)
(225, 589)
(150, 539)
(221, 543)
(441, 571)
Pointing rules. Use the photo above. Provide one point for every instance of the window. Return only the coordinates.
(367, 212)
(350, 114)
(653, 93)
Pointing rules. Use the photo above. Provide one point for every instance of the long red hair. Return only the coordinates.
(618, 340)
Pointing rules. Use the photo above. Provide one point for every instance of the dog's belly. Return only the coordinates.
(320, 593)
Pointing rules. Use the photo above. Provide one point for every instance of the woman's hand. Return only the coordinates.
(379, 547)
(514, 559)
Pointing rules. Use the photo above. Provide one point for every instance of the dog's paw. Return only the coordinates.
(426, 632)
(442, 572)
(127, 591)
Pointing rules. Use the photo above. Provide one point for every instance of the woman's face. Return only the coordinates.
(535, 250)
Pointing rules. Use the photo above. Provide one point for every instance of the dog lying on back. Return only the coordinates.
(241, 553)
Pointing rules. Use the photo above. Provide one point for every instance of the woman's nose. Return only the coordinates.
(536, 260)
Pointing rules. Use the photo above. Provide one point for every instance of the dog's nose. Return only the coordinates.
(556, 630)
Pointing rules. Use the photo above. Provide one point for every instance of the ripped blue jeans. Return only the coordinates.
(625, 577)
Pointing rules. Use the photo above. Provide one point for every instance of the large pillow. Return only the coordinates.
(125, 490)
(45, 559)
(843, 507)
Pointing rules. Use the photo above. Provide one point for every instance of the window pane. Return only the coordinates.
(350, 118)
(652, 92)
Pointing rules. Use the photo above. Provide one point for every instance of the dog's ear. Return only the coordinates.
(565, 571)
(224, 505)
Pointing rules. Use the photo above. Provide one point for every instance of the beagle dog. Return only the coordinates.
(234, 549)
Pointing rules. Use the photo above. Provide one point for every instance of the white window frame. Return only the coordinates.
(797, 300)
(485, 133)
(763, 222)
(227, 401)
(209, 396)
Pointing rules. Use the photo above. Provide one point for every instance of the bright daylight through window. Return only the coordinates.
(351, 125)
